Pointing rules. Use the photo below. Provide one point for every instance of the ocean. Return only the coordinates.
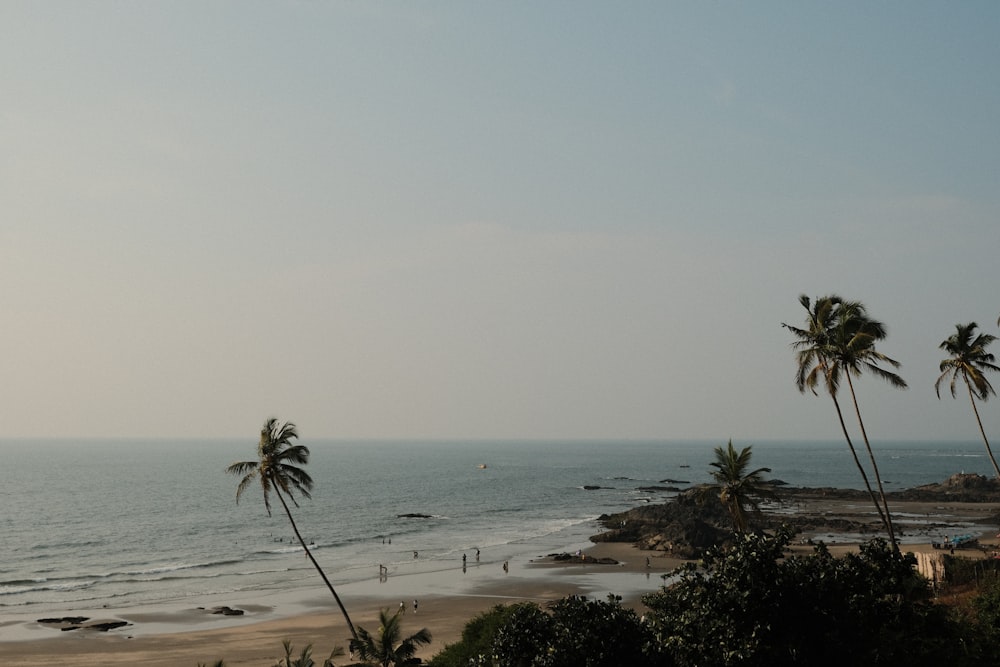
(90, 523)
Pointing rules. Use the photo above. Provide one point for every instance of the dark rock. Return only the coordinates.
(72, 620)
(653, 489)
(590, 487)
(582, 558)
(107, 625)
(682, 526)
(674, 481)
(228, 611)
(414, 515)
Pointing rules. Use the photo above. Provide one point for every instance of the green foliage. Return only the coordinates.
(305, 657)
(959, 570)
(523, 638)
(738, 488)
(595, 633)
(387, 647)
(477, 639)
(987, 604)
(574, 632)
(751, 605)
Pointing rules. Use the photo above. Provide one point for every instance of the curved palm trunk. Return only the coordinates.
(350, 626)
(979, 421)
(857, 462)
(878, 477)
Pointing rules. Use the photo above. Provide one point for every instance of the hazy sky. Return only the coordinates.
(486, 219)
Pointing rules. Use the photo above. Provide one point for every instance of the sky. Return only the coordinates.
(473, 220)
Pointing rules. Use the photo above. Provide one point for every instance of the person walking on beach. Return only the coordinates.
(402, 607)
(477, 554)
(506, 568)
(414, 606)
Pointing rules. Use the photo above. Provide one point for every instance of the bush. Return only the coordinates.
(751, 605)
(573, 632)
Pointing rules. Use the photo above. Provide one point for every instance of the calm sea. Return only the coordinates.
(121, 523)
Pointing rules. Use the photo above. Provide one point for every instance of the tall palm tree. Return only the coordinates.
(853, 353)
(839, 342)
(968, 360)
(738, 488)
(277, 469)
(385, 648)
(815, 348)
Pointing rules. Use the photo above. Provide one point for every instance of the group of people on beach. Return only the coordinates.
(383, 570)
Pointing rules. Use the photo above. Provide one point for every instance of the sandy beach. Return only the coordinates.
(179, 635)
(169, 636)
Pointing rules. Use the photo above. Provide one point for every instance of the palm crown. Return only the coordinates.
(277, 464)
(387, 647)
(969, 359)
(738, 488)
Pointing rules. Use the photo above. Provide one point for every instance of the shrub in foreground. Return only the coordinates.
(751, 605)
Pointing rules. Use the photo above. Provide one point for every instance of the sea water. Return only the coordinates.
(122, 523)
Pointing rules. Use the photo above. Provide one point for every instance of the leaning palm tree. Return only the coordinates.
(276, 468)
(839, 343)
(815, 349)
(739, 489)
(385, 648)
(853, 353)
(968, 360)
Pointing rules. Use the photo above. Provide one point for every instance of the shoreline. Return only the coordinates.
(180, 634)
(168, 635)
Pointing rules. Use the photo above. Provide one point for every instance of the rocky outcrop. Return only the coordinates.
(582, 559)
(963, 487)
(683, 527)
(68, 620)
(104, 626)
(70, 623)
(227, 611)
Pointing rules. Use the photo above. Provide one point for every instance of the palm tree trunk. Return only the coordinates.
(981, 430)
(343, 610)
(857, 462)
(878, 477)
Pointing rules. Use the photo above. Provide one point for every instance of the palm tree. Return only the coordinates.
(305, 658)
(276, 468)
(854, 352)
(968, 360)
(737, 489)
(814, 347)
(386, 648)
(838, 342)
